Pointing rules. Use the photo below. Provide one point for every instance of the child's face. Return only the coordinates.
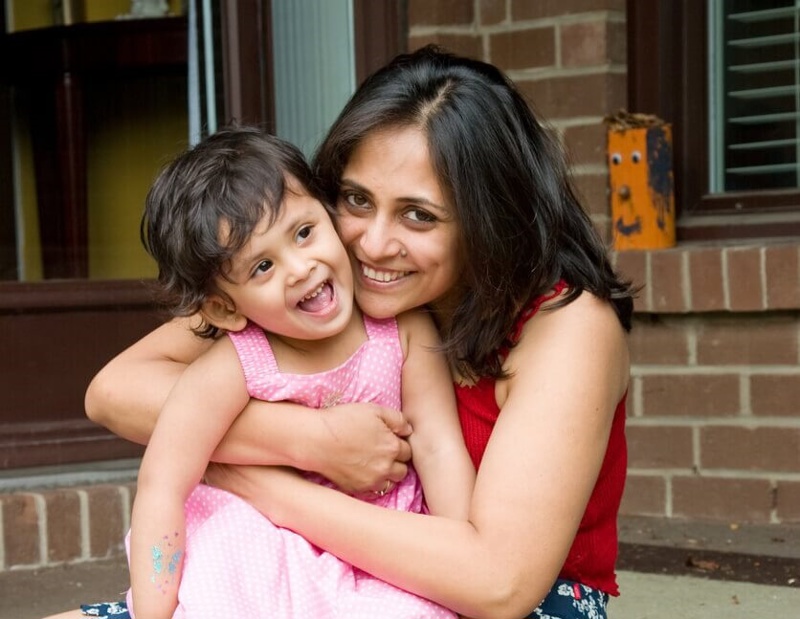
(293, 278)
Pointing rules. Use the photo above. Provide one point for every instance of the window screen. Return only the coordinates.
(754, 95)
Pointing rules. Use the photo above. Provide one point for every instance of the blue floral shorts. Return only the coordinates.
(572, 600)
(106, 610)
(566, 600)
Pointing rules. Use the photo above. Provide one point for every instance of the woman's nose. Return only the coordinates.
(379, 240)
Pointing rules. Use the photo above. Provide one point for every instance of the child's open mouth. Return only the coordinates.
(318, 299)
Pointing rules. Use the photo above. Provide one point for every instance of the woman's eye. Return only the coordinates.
(263, 266)
(356, 200)
(420, 215)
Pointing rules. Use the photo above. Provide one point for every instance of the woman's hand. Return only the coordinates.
(359, 447)
(364, 447)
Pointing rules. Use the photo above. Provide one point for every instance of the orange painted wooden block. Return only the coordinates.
(641, 185)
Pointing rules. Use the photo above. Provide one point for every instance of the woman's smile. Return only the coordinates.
(381, 275)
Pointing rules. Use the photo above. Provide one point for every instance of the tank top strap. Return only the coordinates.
(530, 310)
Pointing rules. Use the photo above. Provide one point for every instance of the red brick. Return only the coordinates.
(492, 11)
(775, 395)
(586, 144)
(439, 13)
(593, 43)
(705, 275)
(762, 340)
(783, 276)
(743, 275)
(106, 520)
(666, 280)
(523, 49)
(592, 190)
(21, 530)
(659, 447)
(566, 96)
(463, 44)
(644, 495)
(724, 500)
(63, 525)
(691, 395)
(536, 9)
(788, 501)
(659, 342)
(750, 449)
(632, 266)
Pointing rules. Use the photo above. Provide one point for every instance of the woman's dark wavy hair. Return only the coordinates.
(522, 226)
(235, 176)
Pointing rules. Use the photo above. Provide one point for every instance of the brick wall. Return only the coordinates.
(714, 428)
(714, 421)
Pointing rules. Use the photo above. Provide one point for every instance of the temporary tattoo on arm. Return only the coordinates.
(161, 578)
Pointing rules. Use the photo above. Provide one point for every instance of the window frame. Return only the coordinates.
(667, 76)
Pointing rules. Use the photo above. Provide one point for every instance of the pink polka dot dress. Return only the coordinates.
(239, 564)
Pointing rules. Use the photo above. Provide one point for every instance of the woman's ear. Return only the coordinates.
(222, 313)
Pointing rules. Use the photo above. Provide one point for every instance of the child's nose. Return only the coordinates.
(300, 267)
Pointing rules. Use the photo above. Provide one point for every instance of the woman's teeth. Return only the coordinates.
(381, 276)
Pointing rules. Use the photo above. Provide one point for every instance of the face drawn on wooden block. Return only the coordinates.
(640, 179)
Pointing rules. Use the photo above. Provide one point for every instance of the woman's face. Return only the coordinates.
(397, 224)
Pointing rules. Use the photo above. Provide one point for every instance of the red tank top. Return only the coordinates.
(593, 554)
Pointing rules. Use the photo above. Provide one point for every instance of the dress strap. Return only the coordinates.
(255, 353)
(380, 328)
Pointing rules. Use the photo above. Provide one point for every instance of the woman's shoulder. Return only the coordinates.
(583, 316)
(585, 331)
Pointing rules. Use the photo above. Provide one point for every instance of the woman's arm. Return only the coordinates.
(206, 399)
(357, 446)
(128, 393)
(569, 372)
(439, 454)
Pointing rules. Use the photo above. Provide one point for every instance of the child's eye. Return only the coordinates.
(304, 232)
(263, 266)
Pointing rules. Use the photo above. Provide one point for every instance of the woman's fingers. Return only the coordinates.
(395, 420)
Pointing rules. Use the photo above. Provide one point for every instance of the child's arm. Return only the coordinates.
(198, 411)
(437, 445)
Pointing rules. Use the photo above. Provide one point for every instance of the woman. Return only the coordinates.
(451, 195)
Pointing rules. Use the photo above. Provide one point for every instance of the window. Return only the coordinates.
(725, 73)
(753, 88)
(71, 264)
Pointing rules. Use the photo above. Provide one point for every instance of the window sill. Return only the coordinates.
(74, 294)
(743, 276)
